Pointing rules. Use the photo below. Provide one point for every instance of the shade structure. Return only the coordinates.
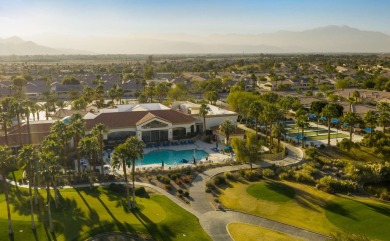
(368, 130)
(335, 121)
(228, 148)
(323, 118)
(300, 137)
(312, 116)
(346, 124)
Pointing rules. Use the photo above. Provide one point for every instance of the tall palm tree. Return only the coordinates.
(351, 118)
(53, 145)
(370, 118)
(7, 162)
(271, 114)
(98, 130)
(48, 163)
(278, 130)
(384, 119)
(136, 150)
(77, 131)
(89, 147)
(130, 151)
(302, 122)
(62, 133)
(254, 111)
(227, 128)
(27, 157)
(329, 111)
(5, 116)
(384, 115)
(17, 110)
(203, 112)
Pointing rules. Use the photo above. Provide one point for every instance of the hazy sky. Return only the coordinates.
(122, 17)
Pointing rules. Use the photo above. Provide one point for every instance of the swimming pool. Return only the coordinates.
(171, 157)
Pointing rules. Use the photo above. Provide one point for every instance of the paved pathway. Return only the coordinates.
(215, 222)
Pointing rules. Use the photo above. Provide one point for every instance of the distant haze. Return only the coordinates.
(330, 39)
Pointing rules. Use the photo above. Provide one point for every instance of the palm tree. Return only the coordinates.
(77, 131)
(271, 114)
(53, 146)
(48, 163)
(351, 118)
(26, 158)
(7, 162)
(130, 151)
(98, 130)
(254, 111)
(227, 128)
(384, 119)
(61, 104)
(17, 109)
(5, 116)
(278, 130)
(88, 147)
(329, 111)
(370, 118)
(61, 131)
(384, 115)
(203, 112)
(301, 120)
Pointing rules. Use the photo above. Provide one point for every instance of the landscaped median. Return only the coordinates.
(83, 213)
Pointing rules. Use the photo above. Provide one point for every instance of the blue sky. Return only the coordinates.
(122, 17)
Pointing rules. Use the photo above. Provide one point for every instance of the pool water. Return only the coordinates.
(171, 157)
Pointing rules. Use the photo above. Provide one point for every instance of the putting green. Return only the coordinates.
(271, 191)
(361, 217)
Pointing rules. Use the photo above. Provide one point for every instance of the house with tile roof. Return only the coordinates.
(152, 123)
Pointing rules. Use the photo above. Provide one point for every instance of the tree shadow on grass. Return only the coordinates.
(159, 232)
(310, 201)
(72, 218)
(377, 208)
(93, 215)
(339, 210)
(281, 189)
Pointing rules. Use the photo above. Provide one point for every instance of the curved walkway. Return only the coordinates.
(215, 222)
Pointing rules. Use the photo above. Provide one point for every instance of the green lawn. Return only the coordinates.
(84, 213)
(271, 191)
(309, 208)
(247, 232)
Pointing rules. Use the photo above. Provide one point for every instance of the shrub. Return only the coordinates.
(229, 176)
(164, 179)
(284, 176)
(187, 179)
(174, 176)
(179, 181)
(180, 191)
(385, 195)
(210, 184)
(186, 194)
(252, 175)
(268, 173)
(330, 184)
(219, 180)
(167, 187)
(141, 192)
(117, 188)
(208, 189)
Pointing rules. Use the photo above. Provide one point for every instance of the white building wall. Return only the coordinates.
(217, 120)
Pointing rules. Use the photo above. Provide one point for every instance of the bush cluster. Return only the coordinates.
(331, 185)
